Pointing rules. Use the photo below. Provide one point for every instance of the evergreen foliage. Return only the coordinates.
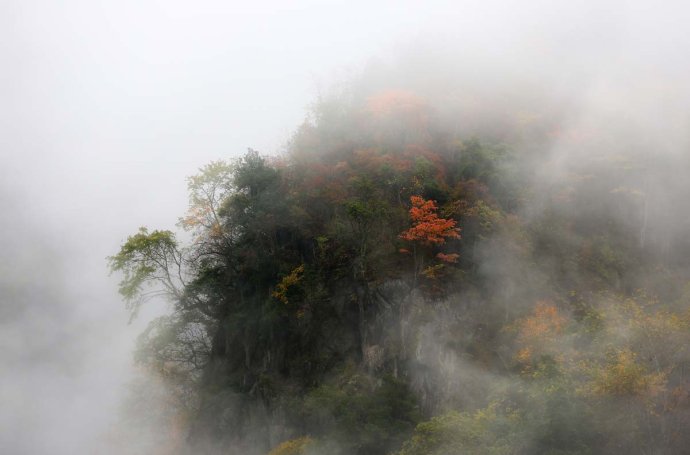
(328, 300)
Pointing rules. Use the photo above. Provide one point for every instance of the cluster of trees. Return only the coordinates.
(388, 287)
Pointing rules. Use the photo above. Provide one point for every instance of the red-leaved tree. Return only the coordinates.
(428, 228)
(428, 231)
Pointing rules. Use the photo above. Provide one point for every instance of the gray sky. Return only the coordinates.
(106, 107)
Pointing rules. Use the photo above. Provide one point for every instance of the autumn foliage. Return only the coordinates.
(429, 228)
(543, 325)
(398, 102)
(527, 336)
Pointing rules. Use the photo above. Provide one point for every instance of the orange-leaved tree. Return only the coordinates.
(428, 230)
(428, 227)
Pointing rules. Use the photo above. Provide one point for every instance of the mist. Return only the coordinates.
(107, 108)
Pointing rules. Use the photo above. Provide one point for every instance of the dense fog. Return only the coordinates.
(107, 107)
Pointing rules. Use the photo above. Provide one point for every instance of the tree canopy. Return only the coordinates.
(328, 303)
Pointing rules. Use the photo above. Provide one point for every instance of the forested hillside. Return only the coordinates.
(395, 284)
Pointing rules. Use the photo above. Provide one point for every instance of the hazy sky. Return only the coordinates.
(106, 107)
